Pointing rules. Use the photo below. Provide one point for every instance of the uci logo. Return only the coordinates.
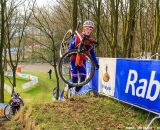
(141, 89)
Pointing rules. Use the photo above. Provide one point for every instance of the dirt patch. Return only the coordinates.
(2, 122)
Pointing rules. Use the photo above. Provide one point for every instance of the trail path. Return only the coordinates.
(36, 67)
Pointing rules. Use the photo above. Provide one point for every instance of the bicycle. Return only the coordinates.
(65, 62)
(16, 103)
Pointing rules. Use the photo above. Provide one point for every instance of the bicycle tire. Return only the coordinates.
(88, 77)
(65, 42)
(6, 114)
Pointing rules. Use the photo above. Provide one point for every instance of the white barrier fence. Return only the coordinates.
(29, 84)
(32, 80)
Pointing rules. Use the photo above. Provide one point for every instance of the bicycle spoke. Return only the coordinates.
(65, 42)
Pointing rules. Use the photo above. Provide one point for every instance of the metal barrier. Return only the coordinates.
(156, 54)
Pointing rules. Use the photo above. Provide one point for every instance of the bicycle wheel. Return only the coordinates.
(21, 102)
(8, 112)
(65, 42)
(65, 63)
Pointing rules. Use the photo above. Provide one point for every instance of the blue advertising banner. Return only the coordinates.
(94, 81)
(138, 82)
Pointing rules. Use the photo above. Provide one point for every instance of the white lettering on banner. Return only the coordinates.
(129, 82)
(141, 90)
(151, 83)
(108, 88)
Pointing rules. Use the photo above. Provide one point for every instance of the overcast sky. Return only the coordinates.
(44, 2)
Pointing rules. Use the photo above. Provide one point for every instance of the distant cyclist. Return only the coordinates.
(16, 102)
(80, 70)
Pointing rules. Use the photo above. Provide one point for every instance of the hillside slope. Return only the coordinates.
(80, 113)
(85, 112)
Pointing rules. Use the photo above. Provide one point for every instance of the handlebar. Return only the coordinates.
(86, 37)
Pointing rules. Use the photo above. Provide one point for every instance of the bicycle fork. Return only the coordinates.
(77, 60)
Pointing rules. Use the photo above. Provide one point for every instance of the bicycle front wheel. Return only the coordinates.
(65, 68)
(8, 112)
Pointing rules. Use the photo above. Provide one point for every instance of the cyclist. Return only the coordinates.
(16, 102)
(88, 27)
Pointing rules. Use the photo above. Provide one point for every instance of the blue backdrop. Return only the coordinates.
(138, 82)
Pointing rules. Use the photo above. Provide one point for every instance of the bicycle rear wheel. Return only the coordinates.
(65, 68)
(65, 42)
(8, 112)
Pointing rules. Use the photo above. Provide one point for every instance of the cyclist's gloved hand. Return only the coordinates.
(95, 43)
(86, 37)
(97, 66)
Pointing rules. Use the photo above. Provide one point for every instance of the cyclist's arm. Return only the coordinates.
(72, 44)
(93, 56)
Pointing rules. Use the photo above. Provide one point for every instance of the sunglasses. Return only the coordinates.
(89, 28)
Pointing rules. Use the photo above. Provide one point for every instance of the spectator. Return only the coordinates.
(50, 74)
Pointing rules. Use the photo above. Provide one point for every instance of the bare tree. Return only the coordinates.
(114, 27)
(15, 25)
(74, 12)
(128, 39)
(156, 41)
(45, 23)
(98, 20)
(125, 28)
(3, 9)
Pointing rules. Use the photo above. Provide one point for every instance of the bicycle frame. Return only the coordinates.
(79, 48)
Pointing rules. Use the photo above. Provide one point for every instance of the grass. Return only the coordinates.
(41, 92)
(20, 81)
(80, 113)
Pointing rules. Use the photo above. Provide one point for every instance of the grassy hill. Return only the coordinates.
(79, 113)
(85, 112)
(39, 92)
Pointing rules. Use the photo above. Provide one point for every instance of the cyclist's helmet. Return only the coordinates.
(16, 95)
(88, 23)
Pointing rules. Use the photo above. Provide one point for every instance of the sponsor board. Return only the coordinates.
(106, 79)
(138, 83)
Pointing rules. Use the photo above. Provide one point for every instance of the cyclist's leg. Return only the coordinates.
(74, 73)
(74, 79)
(82, 74)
